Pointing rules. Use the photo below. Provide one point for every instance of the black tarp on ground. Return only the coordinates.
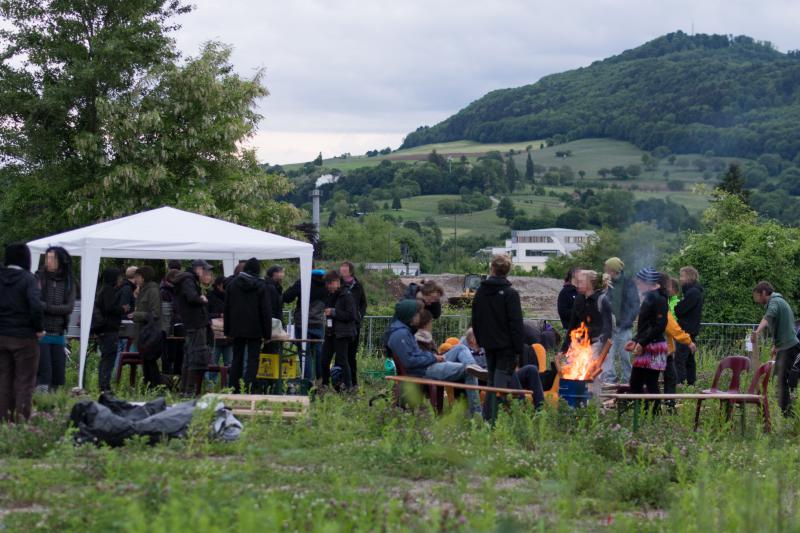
(111, 421)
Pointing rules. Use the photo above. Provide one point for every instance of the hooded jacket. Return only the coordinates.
(316, 306)
(20, 304)
(216, 303)
(194, 311)
(344, 314)
(247, 311)
(403, 345)
(690, 309)
(566, 301)
(624, 297)
(359, 297)
(497, 316)
(108, 303)
(674, 333)
(274, 297)
(411, 292)
(58, 301)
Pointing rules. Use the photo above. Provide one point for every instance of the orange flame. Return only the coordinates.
(580, 364)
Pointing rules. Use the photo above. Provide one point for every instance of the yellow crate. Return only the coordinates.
(268, 367)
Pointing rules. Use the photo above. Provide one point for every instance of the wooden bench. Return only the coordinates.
(729, 396)
(398, 380)
(290, 407)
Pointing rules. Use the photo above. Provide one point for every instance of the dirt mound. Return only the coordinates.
(539, 295)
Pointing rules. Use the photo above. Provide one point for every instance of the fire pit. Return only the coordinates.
(579, 367)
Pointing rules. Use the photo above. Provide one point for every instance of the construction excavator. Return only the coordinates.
(470, 286)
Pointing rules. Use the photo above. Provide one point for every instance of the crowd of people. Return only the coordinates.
(650, 319)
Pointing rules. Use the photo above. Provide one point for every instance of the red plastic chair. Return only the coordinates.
(737, 364)
(131, 359)
(434, 393)
(759, 386)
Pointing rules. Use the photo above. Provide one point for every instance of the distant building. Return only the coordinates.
(401, 269)
(530, 249)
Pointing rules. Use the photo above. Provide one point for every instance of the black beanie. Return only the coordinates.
(253, 267)
(19, 255)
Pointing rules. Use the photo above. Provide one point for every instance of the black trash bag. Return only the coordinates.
(117, 421)
(97, 424)
(173, 422)
(131, 411)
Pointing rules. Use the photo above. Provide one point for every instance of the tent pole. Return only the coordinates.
(90, 264)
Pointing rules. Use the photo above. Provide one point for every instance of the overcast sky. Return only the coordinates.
(348, 76)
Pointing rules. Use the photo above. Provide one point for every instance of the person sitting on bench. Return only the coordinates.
(424, 364)
(424, 336)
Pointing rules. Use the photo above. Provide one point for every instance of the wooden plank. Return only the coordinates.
(456, 385)
(274, 398)
(683, 396)
(285, 414)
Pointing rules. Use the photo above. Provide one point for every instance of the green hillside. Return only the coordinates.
(732, 96)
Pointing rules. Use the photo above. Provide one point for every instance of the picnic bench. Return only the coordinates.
(290, 407)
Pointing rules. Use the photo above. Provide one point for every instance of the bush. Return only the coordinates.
(675, 185)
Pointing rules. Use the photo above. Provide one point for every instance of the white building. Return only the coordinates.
(401, 269)
(530, 249)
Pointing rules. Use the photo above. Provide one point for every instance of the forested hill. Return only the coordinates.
(731, 95)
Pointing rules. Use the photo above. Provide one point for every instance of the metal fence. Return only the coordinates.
(724, 337)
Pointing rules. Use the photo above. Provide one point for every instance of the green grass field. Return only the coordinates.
(358, 463)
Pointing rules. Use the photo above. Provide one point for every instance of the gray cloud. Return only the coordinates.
(346, 74)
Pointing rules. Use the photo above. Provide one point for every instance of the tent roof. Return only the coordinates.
(171, 233)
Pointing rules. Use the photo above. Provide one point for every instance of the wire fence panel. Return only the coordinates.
(725, 338)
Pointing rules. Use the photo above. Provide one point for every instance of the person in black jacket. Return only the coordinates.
(349, 281)
(689, 312)
(273, 282)
(110, 310)
(592, 310)
(193, 306)
(649, 345)
(58, 300)
(566, 298)
(497, 323)
(430, 293)
(248, 320)
(312, 368)
(21, 324)
(340, 329)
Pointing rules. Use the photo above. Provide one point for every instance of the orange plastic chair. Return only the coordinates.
(550, 396)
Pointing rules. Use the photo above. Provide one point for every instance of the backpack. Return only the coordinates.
(150, 338)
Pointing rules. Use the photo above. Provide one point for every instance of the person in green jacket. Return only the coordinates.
(148, 303)
(779, 319)
(673, 291)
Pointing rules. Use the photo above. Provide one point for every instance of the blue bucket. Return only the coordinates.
(575, 393)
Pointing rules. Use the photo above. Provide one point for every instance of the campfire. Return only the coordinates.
(580, 365)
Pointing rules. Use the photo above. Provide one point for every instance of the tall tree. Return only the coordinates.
(512, 174)
(529, 168)
(59, 60)
(733, 183)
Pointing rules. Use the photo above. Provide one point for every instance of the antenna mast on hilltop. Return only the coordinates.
(692, 28)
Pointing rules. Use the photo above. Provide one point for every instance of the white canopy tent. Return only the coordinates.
(168, 233)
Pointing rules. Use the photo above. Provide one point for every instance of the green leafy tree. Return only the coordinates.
(318, 160)
(175, 139)
(735, 252)
(60, 60)
(396, 205)
(505, 209)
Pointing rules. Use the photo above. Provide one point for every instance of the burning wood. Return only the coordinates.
(581, 363)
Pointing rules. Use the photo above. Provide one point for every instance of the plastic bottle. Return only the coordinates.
(748, 344)
(388, 365)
